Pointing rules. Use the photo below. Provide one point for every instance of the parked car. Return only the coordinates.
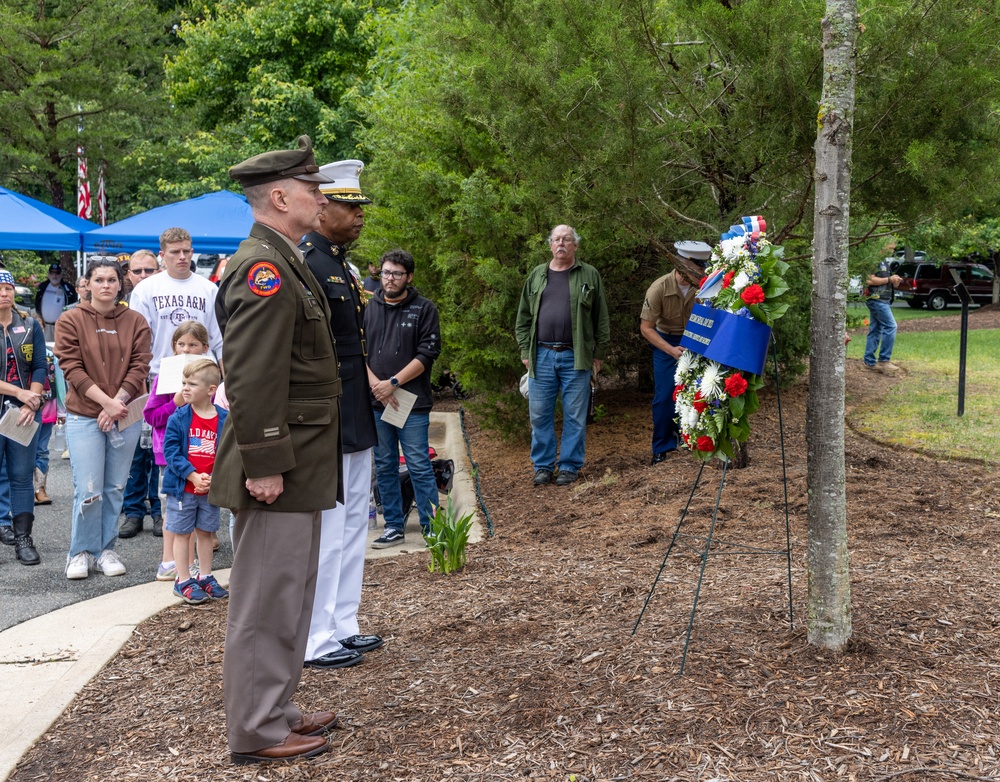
(204, 263)
(925, 283)
(899, 258)
(218, 270)
(24, 296)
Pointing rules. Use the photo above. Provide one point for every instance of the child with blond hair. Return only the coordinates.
(189, 447)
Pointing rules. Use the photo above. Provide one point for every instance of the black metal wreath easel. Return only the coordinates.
(680, 538)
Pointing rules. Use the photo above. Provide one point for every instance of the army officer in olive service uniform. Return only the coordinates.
(278, 462)
(334, 641)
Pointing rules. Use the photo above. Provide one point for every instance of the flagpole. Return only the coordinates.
(82, 184)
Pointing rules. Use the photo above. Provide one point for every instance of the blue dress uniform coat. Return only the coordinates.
(328, 262)
(282, 380)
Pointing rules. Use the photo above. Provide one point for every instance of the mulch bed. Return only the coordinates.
(524, 666)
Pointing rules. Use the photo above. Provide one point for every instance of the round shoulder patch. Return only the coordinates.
(263, 279)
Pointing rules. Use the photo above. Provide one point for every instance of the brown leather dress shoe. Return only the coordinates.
(294, 747)
(315, 724)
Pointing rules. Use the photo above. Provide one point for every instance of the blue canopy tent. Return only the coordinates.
(217, 222)
(27, 224)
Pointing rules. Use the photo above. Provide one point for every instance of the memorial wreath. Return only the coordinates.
(715, 398)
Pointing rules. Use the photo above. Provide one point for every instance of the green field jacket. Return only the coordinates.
(588, 309)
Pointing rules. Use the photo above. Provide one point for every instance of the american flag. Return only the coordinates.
(202, 445)
(102, 198)
(82, 185)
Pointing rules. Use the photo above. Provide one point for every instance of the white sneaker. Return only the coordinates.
(109, 564)
(80, 565)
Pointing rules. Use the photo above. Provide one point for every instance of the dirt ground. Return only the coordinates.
(524, 665)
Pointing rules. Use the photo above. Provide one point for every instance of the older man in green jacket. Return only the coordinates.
(563, 331)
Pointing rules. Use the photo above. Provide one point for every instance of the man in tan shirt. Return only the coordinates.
(665, 312)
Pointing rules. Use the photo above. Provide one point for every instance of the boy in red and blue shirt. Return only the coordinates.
(189, 445)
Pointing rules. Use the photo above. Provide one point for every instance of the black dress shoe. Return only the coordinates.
(342, 658)
(566, 477)
(131, 527)
(7, 535)
(362, 643)
(542, 477)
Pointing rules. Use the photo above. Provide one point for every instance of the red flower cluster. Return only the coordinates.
(727, 278)
(706, 444)
(699, 403)
(735, 384)
(677, 390)
(702, 281)
(752, 294)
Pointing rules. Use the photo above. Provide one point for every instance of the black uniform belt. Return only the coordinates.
(314, 390)
(558, 347)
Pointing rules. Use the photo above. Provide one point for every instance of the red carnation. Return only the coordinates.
(735, 385)
(752, 294)
(706, 444)
(702, 281)
(677, 390)
(727, 278)
(687, 439)
(698, 404)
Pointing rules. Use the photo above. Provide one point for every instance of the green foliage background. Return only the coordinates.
(486, 122)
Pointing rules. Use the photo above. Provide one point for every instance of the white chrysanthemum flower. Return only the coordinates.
(711, 380)
(684, 366)
(732, 248)
(740, 281)
(691, 419)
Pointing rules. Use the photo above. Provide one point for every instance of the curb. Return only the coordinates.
(49, 659)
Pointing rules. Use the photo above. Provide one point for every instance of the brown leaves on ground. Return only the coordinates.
(524, 666)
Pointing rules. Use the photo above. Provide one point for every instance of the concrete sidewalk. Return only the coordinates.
(48, 660)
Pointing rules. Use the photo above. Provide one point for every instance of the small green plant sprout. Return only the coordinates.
(447, 539)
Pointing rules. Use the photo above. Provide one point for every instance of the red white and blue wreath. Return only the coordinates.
(718, 375)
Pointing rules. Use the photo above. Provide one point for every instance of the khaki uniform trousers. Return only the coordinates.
(271, 585)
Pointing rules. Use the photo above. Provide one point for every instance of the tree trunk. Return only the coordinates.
(829, 598)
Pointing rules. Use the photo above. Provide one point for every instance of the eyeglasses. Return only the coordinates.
(393, 275)
(143, 272)
(562, 240)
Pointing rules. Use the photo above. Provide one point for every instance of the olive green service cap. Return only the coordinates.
(281, 164)
(344, 182)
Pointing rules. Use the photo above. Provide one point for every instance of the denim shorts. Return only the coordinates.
(190, 511)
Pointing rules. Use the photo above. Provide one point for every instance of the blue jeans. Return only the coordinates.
(143, 483)
(664, 425)
(555, 376)
(882, 329)
(6, 517)
(42, 451)
(99, 474)
(17, 468)
(413, 440)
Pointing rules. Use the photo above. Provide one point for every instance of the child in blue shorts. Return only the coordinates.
(189, 449)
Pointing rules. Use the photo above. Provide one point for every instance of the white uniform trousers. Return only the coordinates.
(341, 560)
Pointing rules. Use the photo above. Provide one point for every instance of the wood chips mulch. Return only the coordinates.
(523, 666)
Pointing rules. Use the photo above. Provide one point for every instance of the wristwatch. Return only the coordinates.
(393, 381)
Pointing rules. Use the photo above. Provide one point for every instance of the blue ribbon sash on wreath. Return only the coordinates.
(731, 340)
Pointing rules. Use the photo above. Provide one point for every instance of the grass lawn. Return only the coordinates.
(908, 313)
(921, 410)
